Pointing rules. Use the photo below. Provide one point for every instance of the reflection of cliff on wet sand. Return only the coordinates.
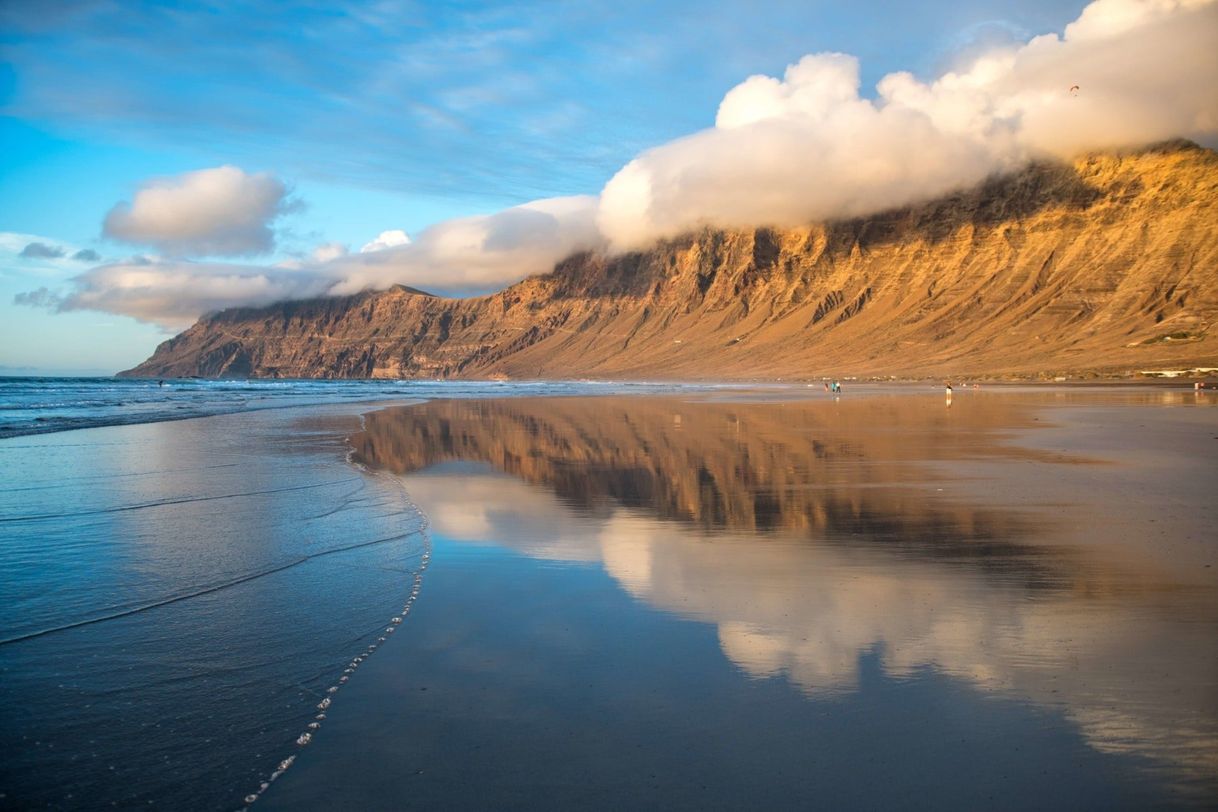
(813, 468)
(856, 551)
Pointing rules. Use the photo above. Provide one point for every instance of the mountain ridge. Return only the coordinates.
(1103, 266)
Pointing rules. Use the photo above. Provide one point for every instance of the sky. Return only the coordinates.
(162, 160)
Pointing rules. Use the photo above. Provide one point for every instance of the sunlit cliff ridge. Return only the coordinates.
(1105, 266)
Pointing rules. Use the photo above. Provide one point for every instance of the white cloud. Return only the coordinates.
(782, 152)
(212, 212)
(1143, 67)
(329, 251)
(809, 147)
(386, 239)
(472, 254)
(478, 253)
(173, 293)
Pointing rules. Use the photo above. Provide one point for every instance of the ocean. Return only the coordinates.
(31, 405)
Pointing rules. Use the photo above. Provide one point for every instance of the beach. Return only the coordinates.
(676, 407)
(712, 599)
(687, 603)
(679, 407)
(185, 575)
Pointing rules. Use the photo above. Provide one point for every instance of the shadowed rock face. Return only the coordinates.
(1106, 265)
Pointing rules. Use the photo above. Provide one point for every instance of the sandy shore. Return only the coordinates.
(879, 601)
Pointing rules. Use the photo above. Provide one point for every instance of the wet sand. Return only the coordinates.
(1010, 602)
(178, 596)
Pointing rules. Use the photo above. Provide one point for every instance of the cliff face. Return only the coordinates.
(1107, 265)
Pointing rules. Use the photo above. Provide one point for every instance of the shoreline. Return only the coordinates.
(576, 387)
(194, 603)
(1209, 374)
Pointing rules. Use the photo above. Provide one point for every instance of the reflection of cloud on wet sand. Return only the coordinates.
(806, 612)
(809, 538)
(492, 509)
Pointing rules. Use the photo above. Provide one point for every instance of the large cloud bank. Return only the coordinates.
(808, 147)
(212, 212)
(783, 151)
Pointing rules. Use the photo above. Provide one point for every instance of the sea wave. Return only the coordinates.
(45, 405)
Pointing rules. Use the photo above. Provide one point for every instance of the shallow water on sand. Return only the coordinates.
(44, 405)
(178, 598)
(1009, 602)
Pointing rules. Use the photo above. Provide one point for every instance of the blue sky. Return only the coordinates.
(383, 115)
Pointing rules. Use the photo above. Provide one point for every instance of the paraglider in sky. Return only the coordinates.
(1073, 90)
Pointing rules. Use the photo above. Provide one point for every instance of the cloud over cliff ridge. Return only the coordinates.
(809, 147)
(469, 254)
(783, 151)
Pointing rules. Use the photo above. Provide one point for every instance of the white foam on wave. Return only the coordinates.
(306, 737)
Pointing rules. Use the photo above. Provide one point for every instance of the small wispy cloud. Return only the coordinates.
(40, 250)
(41, 298)
(26, 255)
(328, 251)
(386, 239)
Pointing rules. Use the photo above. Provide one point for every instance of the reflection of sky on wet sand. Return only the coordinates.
(809, 534)
(175, 597)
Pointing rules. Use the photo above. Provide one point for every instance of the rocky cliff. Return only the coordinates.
(1104, 266)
